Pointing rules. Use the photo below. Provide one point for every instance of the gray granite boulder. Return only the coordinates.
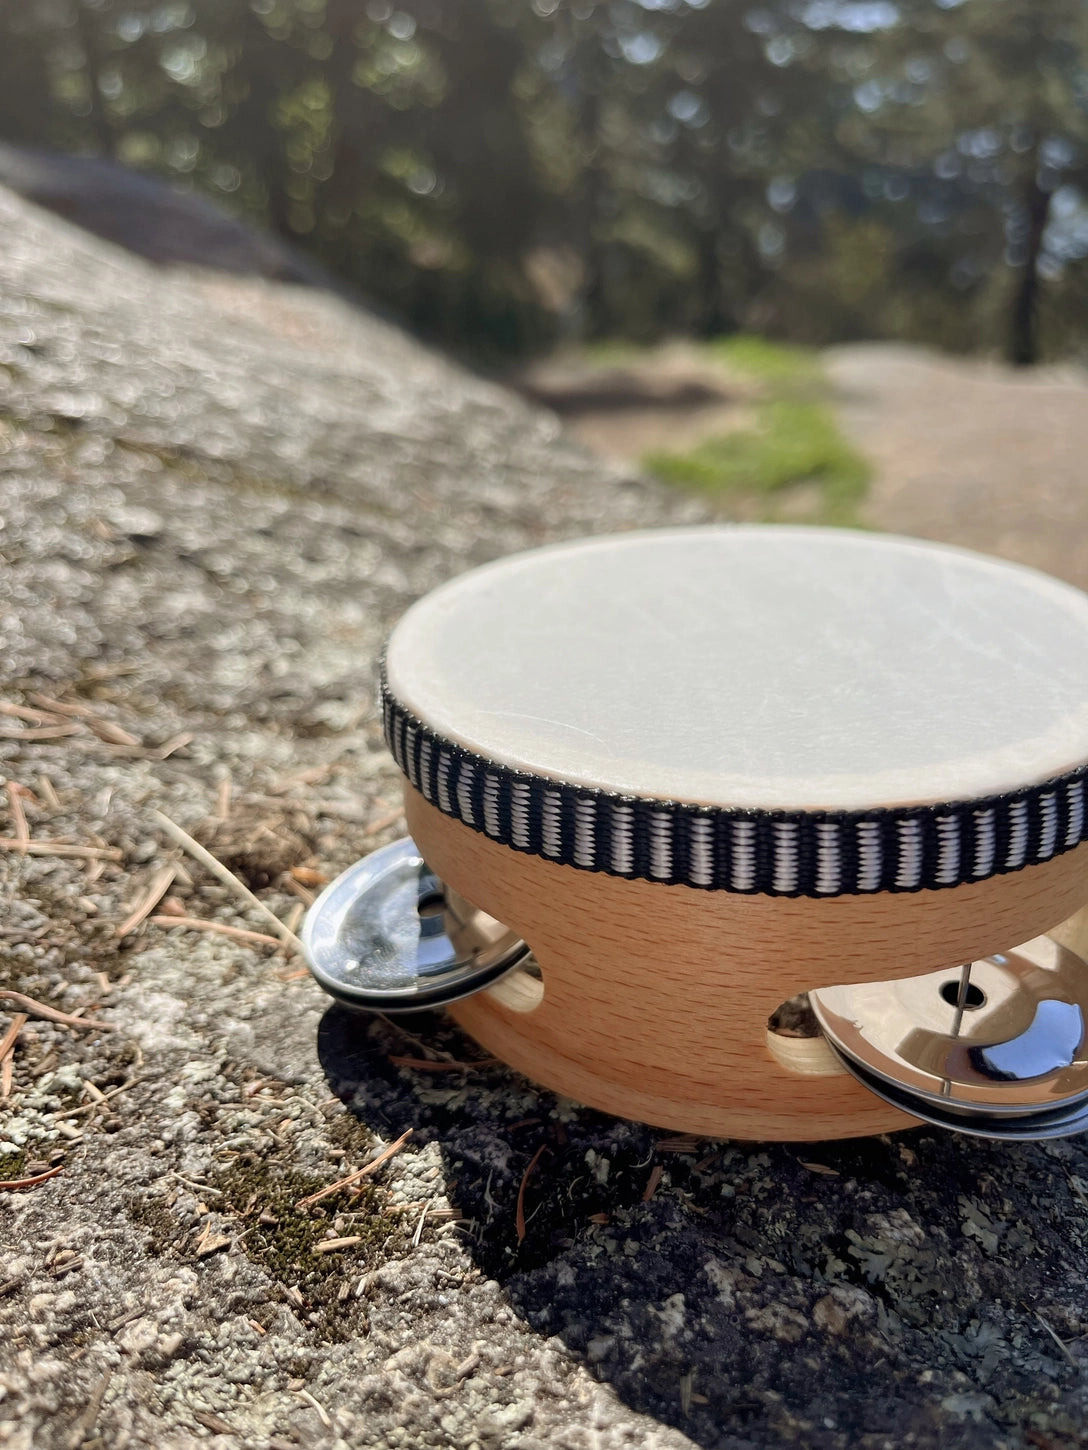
(216, 495)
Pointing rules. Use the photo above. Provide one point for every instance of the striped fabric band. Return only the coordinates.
(773, 853)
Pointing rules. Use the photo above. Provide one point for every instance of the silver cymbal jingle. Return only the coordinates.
(388, 936)
(1061, 1122)
(997, 1048)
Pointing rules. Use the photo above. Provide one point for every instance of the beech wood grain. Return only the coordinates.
(656, 998)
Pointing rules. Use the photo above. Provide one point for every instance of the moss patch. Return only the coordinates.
(12, 1165)
(757, 357)
(793, 443)
(88, 941)
(795, 440)
(164, 1233)
(283, 1239)
(273, 1232)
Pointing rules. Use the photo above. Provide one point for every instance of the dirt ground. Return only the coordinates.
(965, 451)
(972, 453)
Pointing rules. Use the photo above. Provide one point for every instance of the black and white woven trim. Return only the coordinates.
(775, 853)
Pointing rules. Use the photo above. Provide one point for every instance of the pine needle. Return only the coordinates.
(228, 879)
(160, 884)
(359, 1173)
(519, 1216)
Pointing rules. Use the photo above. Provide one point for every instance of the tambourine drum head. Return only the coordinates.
(755, 667)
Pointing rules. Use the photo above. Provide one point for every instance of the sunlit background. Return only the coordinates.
(505, 175)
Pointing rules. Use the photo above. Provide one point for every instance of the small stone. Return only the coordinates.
(843, 1303)
(778, 1319)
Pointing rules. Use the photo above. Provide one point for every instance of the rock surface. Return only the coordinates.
(216, 497)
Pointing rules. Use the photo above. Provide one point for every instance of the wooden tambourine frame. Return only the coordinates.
(656, 997)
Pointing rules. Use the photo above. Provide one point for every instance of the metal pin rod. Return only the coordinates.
(957, 1021)
(961, 997)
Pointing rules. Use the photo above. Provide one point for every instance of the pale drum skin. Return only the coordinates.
(656, 998)
(743, 669)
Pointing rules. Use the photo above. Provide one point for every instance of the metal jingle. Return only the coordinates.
(388, 936)
(1004, 1037)
(1061, 1122)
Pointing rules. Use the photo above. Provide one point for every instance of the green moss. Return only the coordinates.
(12, 1165)
(282, 1238)
(792, 443)
(273, 1232)
(161, 1226)
(348, 1133)
(285, 1246)
(610, 352)
(88, 941)
(758, 357)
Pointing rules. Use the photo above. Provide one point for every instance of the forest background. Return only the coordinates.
(504, 176)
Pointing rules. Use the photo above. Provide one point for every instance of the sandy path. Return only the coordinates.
(972, 453)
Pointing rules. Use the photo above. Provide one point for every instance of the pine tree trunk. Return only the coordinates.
(1024, 321)
(90, 44)
(714, 317)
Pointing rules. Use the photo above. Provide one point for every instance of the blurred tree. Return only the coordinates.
(503, 172)
(973, 115)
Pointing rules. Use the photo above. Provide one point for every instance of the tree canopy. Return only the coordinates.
(503, 174)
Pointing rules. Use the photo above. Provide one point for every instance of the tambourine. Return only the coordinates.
(754, 832)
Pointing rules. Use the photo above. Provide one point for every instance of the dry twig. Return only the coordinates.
(11, 1183)
(321, 1412)
(99, 1100)
(196, 923)
(85, 1424)
(7, 1053)
(312, 776)
(159, 885)
(7, 1042)
(519, 1214)
(61, 848)
(293, 922)
(419, 1226)
(49, 792)
(359, 1173)
(297, 889)
(105, 729)
(18, 815)
(222, 798)
(1057, 1340)
(36, 732)
(228, 879)
(656, 1175)
(308, 876)
(33, 717)
(39, 1009)
(167, 748)
(383, 821)
(215, 1423)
